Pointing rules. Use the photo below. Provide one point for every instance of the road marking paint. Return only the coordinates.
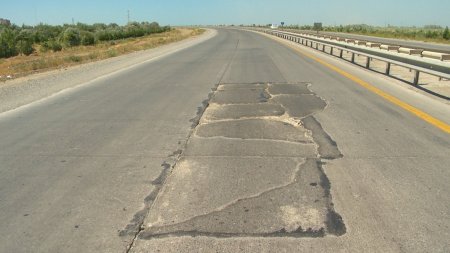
(413, 110)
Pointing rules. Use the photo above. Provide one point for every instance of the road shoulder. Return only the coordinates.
(26, 90)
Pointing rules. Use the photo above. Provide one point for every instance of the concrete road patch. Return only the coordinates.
(297, 208)
(216, 112)
(299, 106)
(254, 129)
(198, 146)
(251, 168)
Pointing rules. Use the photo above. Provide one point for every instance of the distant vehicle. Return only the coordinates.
(274, 26)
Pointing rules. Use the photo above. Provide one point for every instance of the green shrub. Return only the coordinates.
(51, 45)
(71, 37)
(8, 43)
(55, 46)
(446, 34)
(24, 42)
(87, 38)
(20, 39)
(25, 47)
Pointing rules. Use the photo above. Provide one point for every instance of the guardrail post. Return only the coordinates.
(416, 77)
(388, 68)
(369, 58)
(368, 63)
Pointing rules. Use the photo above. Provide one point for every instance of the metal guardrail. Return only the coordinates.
(315, 44)
(432, 48)
(421, 52)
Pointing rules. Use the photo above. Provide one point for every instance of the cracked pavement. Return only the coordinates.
(251, 168)
(269, 164)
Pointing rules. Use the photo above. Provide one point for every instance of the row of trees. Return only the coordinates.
(16, 40)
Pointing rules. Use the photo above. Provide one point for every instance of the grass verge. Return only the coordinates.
(20, 66)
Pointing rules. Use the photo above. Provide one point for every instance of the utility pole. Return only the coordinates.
(73, 21)
(128, 16)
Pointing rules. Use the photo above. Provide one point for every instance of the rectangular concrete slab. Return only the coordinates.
(200, 185)
(300, 106)
(254, 129)
(219, 112)
(220, 146)
(296, 209)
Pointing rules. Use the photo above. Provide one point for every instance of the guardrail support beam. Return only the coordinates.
(416, 77)
(315, 44)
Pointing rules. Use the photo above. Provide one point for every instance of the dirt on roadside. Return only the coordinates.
(22, 65)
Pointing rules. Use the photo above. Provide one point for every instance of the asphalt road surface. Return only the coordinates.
(238, 144)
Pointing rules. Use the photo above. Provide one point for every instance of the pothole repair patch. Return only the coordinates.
(253, 167)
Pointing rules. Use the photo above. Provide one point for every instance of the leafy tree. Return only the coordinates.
(8, 43)
(71, 37)
(51, 44)
(24, 41)
(446, 34)
(87, 38)
(44, 32)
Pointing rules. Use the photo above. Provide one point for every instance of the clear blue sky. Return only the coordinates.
(193, 12)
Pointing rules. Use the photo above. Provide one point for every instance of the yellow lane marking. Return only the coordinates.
(424, 116)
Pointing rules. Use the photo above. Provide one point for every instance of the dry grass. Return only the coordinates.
(39, 62)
